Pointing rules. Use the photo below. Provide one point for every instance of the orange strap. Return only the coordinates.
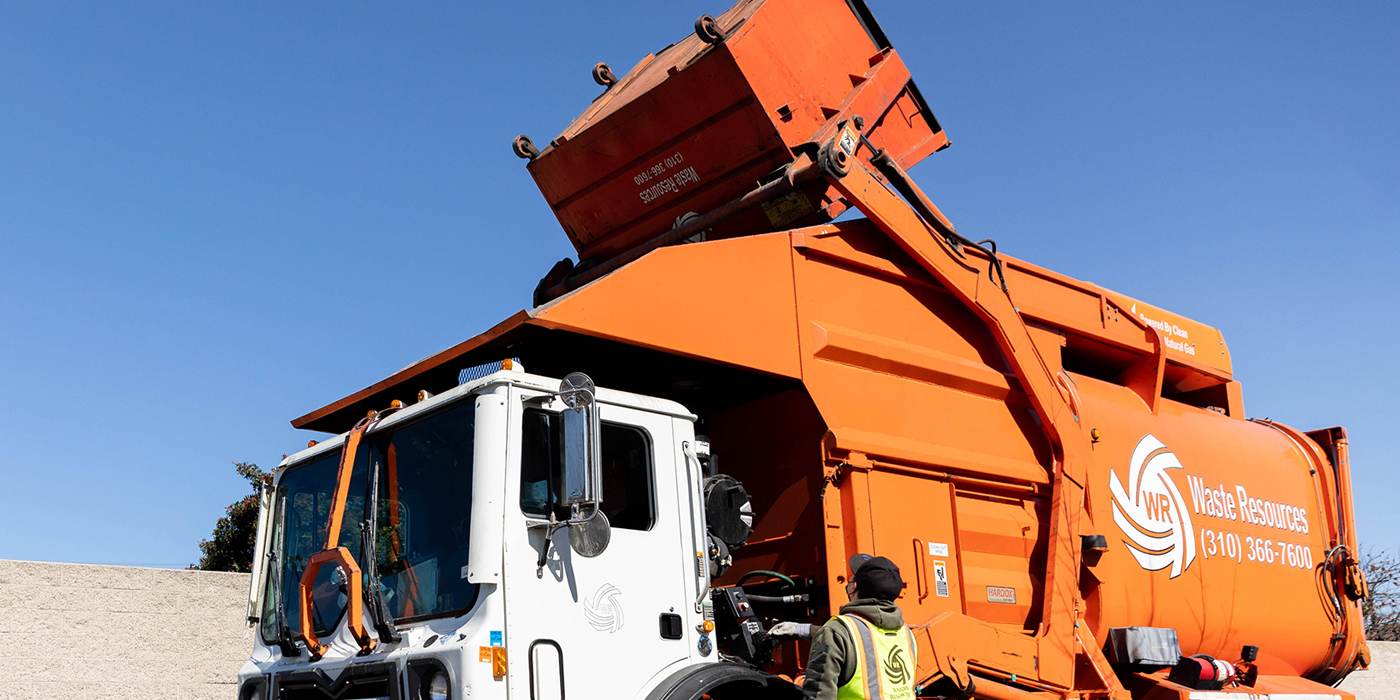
(342, 483)
(341, 556)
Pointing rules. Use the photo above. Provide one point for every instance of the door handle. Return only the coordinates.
(920, 565)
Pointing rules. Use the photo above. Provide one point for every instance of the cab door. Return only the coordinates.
(595, 624)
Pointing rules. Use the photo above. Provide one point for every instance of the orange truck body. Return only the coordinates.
(877, 388)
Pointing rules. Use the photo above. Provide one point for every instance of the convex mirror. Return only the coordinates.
(589, 537)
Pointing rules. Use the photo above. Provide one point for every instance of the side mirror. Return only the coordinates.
(589, 531)
(582, 457)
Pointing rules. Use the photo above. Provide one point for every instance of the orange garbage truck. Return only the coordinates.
(734, 391)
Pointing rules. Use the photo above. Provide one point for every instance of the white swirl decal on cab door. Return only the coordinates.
(604, 611)
(1151, 512)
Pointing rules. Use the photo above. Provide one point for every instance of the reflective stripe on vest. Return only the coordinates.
(884, 662)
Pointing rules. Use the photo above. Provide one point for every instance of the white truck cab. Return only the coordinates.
(517, 536)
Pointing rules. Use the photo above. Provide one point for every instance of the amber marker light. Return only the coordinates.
(498, 662)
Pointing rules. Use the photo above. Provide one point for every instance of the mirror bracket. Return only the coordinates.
(548, 543)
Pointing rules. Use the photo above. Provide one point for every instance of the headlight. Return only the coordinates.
(437, 687)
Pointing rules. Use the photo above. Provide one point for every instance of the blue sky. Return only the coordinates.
(217, 216)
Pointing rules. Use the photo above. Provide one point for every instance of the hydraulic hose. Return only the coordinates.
(934, 218)
(765, 572)
(796, 598)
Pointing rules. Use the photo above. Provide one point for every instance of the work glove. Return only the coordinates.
(798, 630)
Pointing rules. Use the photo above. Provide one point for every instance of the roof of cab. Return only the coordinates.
(504, 377)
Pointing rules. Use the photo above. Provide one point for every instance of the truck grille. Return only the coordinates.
(378, 681)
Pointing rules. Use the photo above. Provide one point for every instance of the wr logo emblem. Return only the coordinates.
(896, 668)
(603, 611)
(1151, 512)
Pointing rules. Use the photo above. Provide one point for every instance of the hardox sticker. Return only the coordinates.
(1001, 594)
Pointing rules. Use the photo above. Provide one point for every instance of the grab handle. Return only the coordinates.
(920, 565)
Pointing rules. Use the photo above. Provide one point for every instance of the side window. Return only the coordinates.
(540, 463)
(628, 482)
(627, 478)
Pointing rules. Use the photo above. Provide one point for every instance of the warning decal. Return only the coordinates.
(788, 208)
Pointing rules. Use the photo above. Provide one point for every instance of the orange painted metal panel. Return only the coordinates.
(904, 371)
(1001, 547)
(1057, 301)
(1093, 311)
(1221, 583)
(727, 301)
(893, 357)
(913, 524)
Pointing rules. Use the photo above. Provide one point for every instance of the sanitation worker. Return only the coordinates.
(865, 652)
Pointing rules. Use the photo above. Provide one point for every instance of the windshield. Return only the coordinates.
(424, 514)
(420, 476)
(303, 504)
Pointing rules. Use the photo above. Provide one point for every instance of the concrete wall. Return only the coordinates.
(1382, 680)
(79, 631)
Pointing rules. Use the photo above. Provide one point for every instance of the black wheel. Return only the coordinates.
(708, 30)
(524, 147)
(724, 681)
(603, 75)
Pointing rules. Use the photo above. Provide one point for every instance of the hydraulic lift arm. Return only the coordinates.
(957, 639)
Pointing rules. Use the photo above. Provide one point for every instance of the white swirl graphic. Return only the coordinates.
(603, 610)
(1151, 512)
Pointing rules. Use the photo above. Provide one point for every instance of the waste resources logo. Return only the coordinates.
(603, 610)
(895, 667)
(1151, 512)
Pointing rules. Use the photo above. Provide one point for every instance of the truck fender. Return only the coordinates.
(723, 681)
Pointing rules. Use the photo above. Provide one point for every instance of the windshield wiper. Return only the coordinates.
(369, 546)
(378, 611)
(283, 636)
(285, 641)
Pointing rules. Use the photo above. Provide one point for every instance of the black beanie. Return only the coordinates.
(876, 577)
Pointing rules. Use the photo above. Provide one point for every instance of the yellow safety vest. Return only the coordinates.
(886, 660)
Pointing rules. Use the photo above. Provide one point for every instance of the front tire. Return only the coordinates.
(724, 681)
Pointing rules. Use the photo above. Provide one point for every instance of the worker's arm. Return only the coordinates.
(795, 630)
(828, 665)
